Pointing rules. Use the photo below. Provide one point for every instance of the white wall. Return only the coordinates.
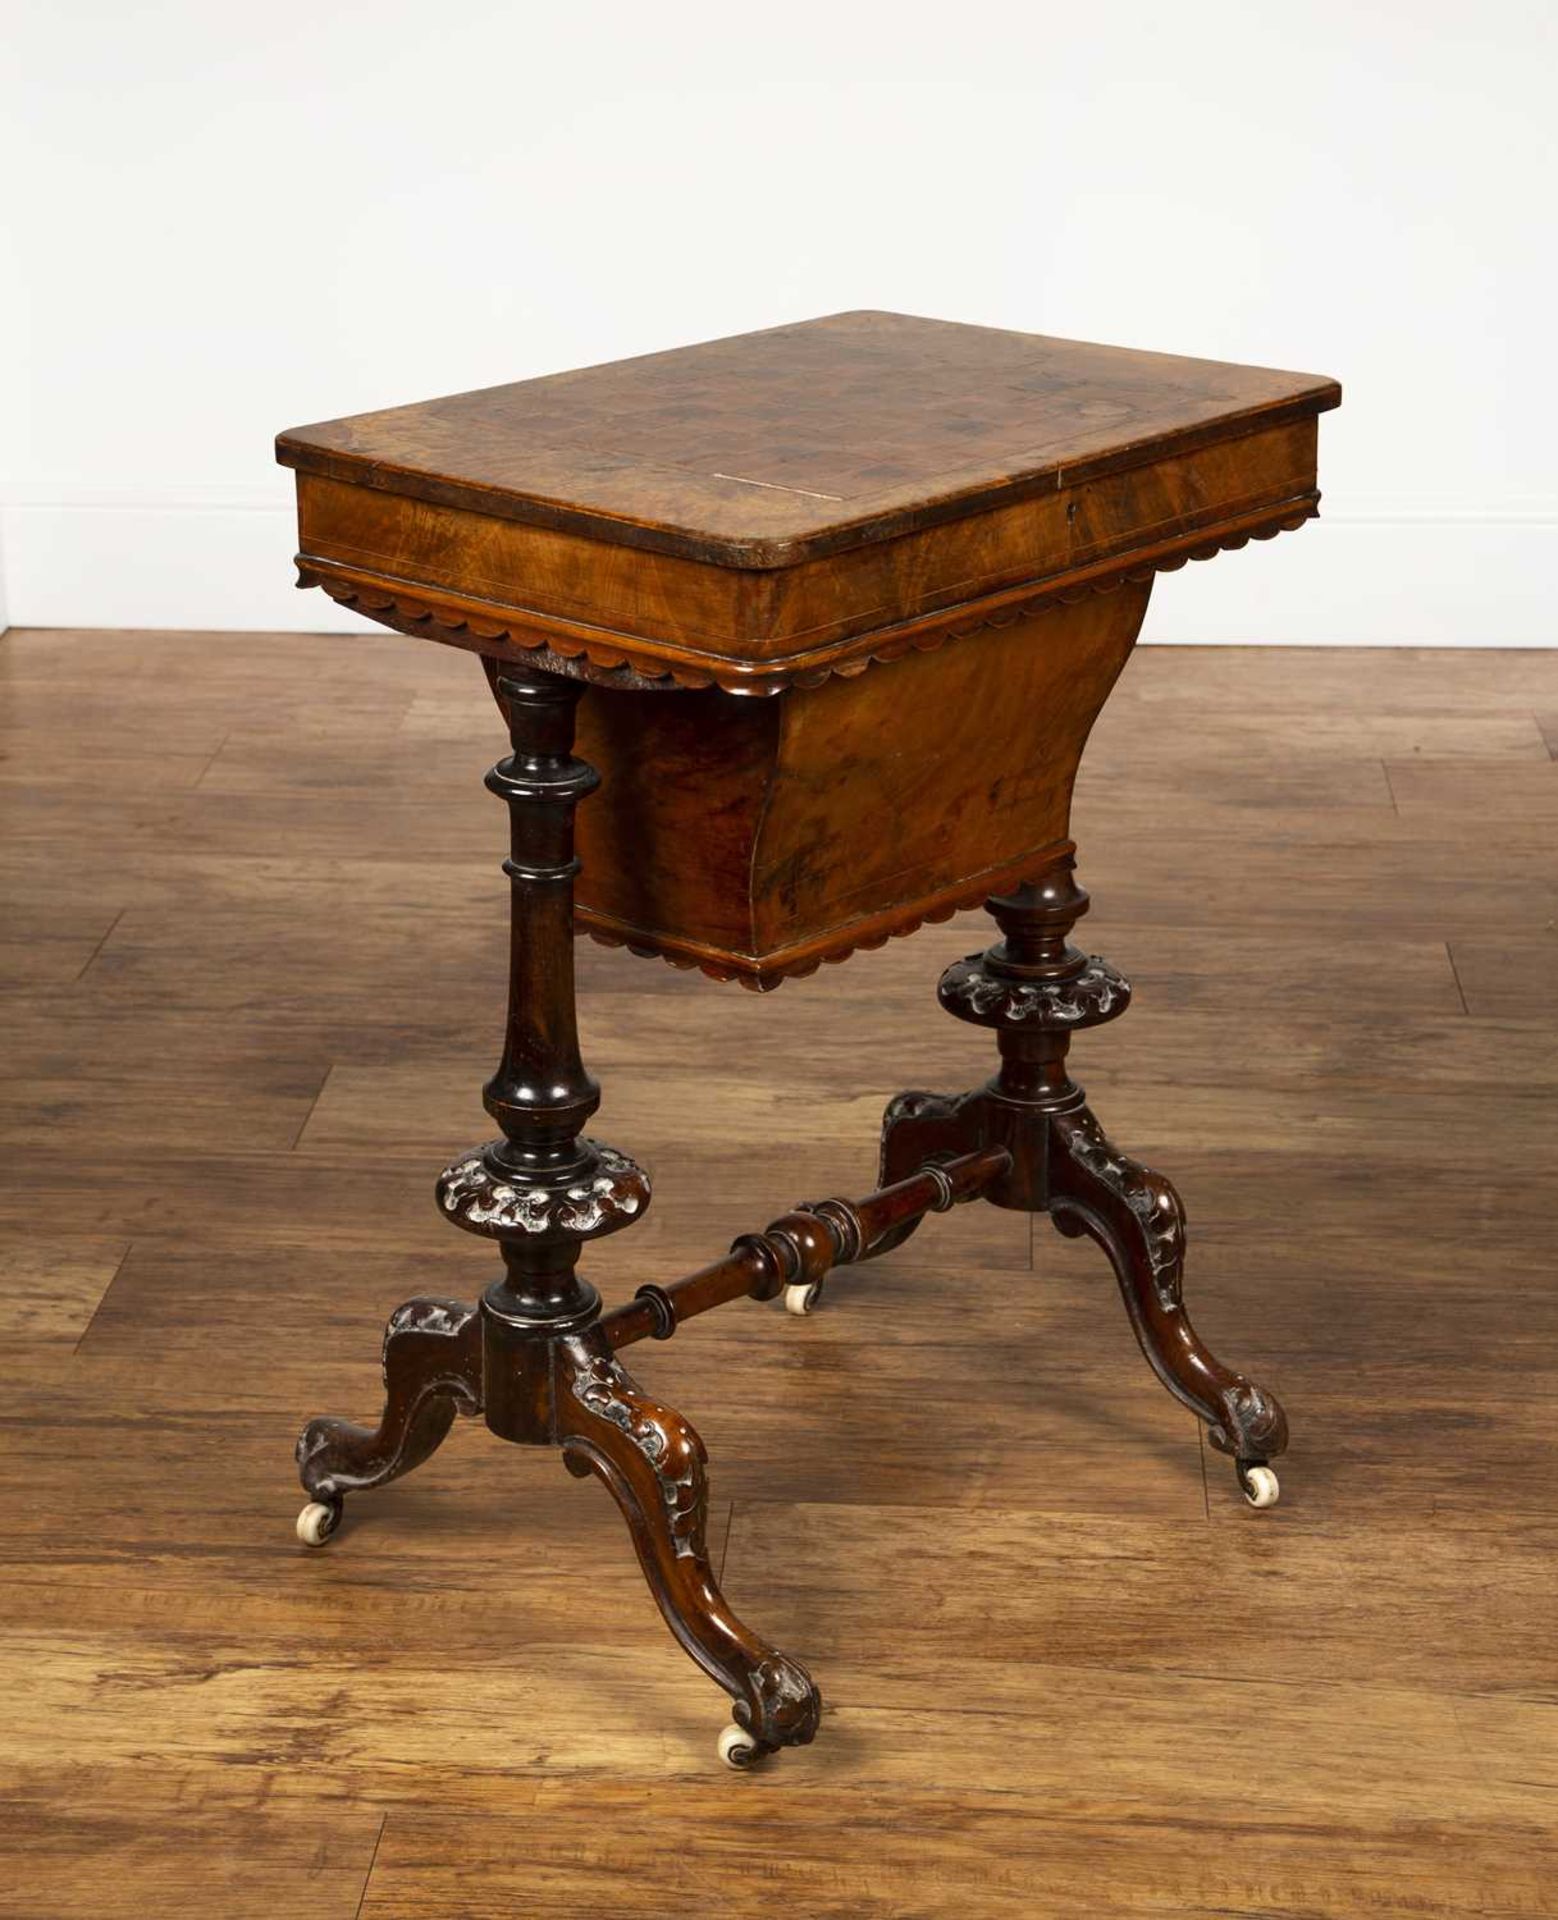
(220, 221)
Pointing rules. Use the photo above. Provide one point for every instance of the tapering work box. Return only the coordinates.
(798, 637)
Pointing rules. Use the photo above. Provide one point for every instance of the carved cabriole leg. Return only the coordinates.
(918, 1130)
(432, 1369)
(1035, 990)
(536, 1358)
(539, 1191)
(1136, 1217)
(654, 1464)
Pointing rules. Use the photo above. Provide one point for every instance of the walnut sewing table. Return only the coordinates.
(832, 608)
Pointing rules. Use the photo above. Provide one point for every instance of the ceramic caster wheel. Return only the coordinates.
(318, 1520)
(801, 1299)
(737, 1748)
(1260, 1486)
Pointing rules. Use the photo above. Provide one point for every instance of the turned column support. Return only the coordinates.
(544, 1187)
(1034, 990)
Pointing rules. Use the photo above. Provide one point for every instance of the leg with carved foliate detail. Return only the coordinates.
(1135, 1215)
(1035, 991)
(536, 1357)
(654, 1464)
(432, 1370)
(919, 1130)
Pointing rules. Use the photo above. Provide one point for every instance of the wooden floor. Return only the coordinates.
(252, 955)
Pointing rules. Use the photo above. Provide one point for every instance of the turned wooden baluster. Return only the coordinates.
(544, 1187)
(543, 1190)
(535, 1358)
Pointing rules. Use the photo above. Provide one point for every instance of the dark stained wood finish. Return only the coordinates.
(758, 840)
(536, 1358)
(248, 995)
(1035, 990)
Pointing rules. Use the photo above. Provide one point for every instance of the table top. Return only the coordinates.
(769, 449)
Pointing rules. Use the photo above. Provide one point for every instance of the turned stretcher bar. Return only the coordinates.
(798, 1250)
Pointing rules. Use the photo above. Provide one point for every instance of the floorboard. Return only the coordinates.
(251, 961)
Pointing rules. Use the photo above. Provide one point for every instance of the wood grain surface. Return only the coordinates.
(779, 507)
(252, 959)
(758, 840)
(768, 448)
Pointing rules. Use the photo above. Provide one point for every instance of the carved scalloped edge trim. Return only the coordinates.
(563, 648)
(408, 612)
(761, 978)
(1107, 576)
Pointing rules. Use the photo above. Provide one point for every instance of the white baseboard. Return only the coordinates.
(1368, 576)
(217, 563)
(1373, 579)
